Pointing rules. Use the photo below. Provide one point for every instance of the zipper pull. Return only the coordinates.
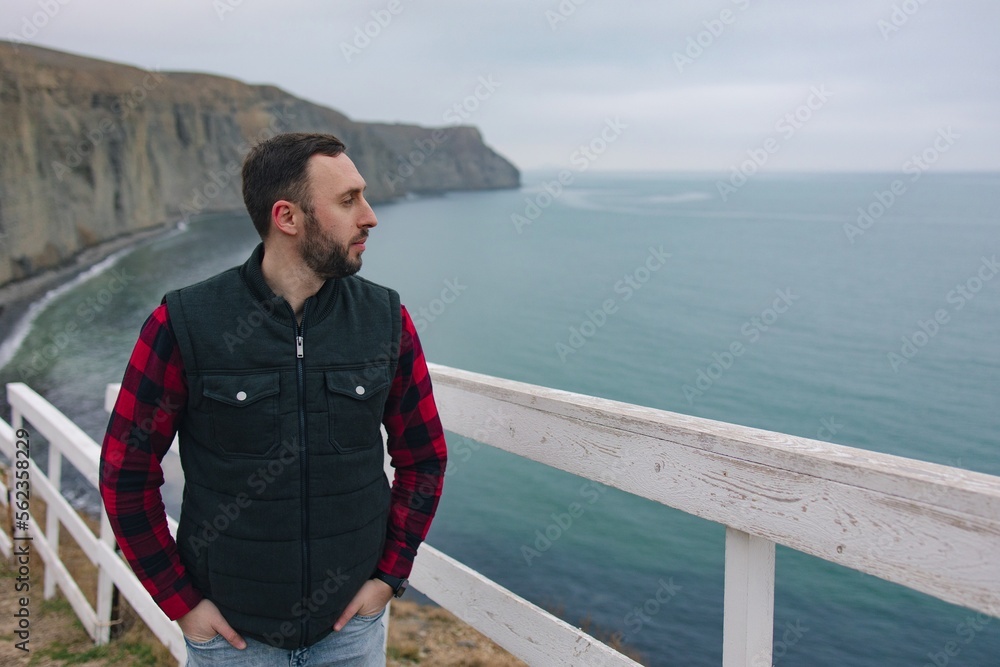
(299, 347)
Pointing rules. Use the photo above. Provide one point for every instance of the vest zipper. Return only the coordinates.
(300, 330)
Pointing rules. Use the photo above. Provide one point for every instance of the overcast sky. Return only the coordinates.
(694, 85)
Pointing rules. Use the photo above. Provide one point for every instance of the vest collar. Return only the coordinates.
(319, 305)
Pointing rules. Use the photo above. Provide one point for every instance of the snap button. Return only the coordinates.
(360, 390)
(242, 396)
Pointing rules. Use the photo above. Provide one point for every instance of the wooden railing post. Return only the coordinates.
(105, 585)
(54, 474)
(748, 625)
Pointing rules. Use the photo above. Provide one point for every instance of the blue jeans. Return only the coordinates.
(360, 643)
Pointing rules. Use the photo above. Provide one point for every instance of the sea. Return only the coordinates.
(865, 308)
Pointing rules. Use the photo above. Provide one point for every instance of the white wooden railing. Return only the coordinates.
(933, 528)
(67, 441)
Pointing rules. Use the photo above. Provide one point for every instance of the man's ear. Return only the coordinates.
(286, 217)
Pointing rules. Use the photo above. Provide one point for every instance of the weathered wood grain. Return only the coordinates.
(930, 527)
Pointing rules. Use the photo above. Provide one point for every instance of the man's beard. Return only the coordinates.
(325, 256)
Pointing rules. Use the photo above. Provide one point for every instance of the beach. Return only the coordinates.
(17, 297)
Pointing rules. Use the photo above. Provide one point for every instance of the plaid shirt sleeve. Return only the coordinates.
(417, 449)
(140, 431)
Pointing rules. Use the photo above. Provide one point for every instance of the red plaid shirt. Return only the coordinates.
(142, 428)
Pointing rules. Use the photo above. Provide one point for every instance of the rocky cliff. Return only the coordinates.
(92, 150)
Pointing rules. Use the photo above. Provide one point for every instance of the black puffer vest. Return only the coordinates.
(285, 499)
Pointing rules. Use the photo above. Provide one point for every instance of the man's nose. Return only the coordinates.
(369, 220)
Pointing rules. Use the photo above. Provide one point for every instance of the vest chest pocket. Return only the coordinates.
(355, 400)
(244, 412)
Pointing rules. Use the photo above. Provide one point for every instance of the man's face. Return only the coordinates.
(335, 230)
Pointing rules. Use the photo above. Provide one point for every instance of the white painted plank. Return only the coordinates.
(963, 490)
(104, 556)
(84, 453)
(525, 630)
(59, 508)
(6, 546)
(7, 440)
(54, 476)
(937, 531)
(105, 584)
(69, 587)
(78, 447)
(748, 625)
(111, 396)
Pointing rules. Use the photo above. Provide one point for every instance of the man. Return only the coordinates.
(276, 375)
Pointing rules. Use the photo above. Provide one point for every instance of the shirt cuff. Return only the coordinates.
(395, 566)
(177, 604)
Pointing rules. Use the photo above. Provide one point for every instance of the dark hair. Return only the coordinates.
(276, 169)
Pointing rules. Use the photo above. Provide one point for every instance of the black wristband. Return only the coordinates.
(397, 585)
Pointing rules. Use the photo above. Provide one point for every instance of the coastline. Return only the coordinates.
(16, 298)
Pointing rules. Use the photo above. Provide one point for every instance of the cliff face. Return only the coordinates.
(91, 150)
